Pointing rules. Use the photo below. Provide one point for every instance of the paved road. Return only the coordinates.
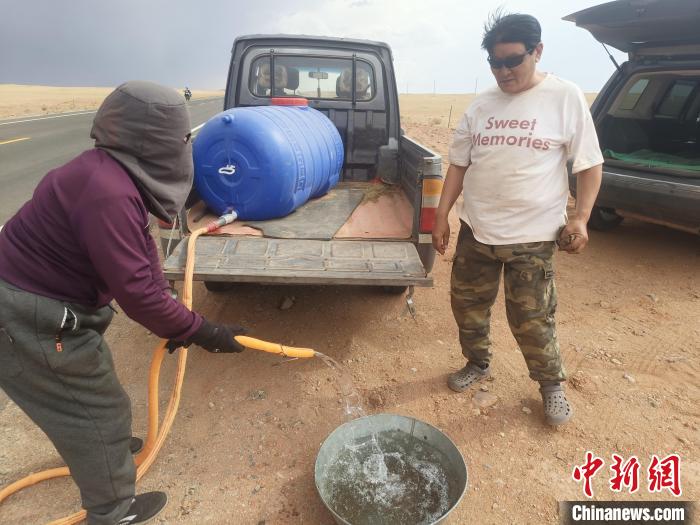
(30, 147)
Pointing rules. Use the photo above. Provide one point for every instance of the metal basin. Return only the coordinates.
(364, 428)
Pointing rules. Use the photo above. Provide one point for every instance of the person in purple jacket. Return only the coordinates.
(80, 242)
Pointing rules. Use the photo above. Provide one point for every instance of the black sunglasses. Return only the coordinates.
(508, 62)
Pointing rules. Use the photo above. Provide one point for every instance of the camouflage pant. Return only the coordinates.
(531, 301)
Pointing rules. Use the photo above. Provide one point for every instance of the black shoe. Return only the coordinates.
(144, 507)
(136, 445)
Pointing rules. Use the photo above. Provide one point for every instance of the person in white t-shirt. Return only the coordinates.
(508, 161)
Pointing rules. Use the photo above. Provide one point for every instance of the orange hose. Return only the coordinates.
(158, 433)
(274, 348)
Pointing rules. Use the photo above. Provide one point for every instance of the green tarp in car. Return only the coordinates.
(654, 159)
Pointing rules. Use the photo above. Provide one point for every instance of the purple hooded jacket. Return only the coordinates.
(83, 237)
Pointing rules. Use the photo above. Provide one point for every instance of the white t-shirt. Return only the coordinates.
(516, 147)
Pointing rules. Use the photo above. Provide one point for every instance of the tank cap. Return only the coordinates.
(289, 101)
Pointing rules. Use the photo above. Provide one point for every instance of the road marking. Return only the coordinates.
(59, 116)
(14, 140)
(45, 118)
(78, 113)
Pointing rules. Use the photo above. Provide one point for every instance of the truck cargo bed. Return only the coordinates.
(350, 210)
(359, 233)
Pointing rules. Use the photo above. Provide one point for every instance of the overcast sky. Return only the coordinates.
(177, 42)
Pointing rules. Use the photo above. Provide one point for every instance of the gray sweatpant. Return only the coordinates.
(63, 378)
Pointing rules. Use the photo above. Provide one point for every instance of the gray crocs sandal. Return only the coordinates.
(467, 376)
(557, 409)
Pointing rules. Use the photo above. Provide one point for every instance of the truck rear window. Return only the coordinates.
(675, 99)
(313, 77)
(633, 95)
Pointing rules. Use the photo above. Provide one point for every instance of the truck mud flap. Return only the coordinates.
(294, 261)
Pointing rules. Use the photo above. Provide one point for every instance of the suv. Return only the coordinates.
(648, 113)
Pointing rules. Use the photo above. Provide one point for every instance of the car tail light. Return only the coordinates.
(431, 197)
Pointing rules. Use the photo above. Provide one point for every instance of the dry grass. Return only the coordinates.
(435, 109)
(19, 100)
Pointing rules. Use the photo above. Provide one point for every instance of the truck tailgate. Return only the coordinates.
(301, 261)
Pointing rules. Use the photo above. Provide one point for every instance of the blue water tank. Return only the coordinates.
(266, 161)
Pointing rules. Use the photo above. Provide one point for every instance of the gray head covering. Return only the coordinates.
(143, 126)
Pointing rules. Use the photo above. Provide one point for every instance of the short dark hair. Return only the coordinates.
(510, 28)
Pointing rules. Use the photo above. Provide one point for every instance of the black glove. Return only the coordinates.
(213, 338)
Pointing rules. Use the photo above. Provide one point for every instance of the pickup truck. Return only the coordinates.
(373, 228)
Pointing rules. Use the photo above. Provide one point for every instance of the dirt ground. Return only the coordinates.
(18, 100)
(243, 445)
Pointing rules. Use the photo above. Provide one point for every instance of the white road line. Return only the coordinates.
(72, 115)
(45, 118)
(12, 141)
(61, 115)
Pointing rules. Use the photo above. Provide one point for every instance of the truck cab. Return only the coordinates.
(365, 112)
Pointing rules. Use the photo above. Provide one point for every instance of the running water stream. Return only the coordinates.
(351, 398)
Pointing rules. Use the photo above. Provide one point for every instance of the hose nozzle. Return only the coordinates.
(222, 221)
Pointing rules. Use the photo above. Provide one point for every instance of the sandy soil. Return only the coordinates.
(18, 100)
(243, 445)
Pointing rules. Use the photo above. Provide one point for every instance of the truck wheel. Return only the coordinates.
(603, 219)
(217, 286)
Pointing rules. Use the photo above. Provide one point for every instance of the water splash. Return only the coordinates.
(352, 402)
(409, 482)
(351, 398)
(385, 478)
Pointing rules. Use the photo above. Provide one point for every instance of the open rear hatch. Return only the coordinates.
(301, 261)
(642, 27)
